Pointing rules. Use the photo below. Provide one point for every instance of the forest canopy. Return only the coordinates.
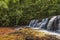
(20, 12)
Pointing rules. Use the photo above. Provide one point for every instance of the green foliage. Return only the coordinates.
(17, 12)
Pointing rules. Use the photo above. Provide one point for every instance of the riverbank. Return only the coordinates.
(25, 34)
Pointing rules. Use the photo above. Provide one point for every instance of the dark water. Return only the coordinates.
(50, 24)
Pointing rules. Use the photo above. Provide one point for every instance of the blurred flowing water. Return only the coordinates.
(47, 25)
(50, 24)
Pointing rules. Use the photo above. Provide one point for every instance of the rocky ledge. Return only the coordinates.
(29, 34)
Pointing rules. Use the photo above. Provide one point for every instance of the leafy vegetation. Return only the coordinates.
(18, 12)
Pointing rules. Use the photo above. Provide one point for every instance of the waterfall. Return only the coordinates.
(43, 24)
(33, 23)
(50, 24)
(38, 25)
(58, 24)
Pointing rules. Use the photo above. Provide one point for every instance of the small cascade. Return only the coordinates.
(50, 24)
(38, 25)
(58, 24)
(33, 23)
(44, 23)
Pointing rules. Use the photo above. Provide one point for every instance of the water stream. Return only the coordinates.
(50, 24)
(47, 25)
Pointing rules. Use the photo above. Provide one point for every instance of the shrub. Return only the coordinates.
(20, 12)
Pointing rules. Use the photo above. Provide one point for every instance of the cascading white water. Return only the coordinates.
(43, 24)
(38, 25)
(58, 24)
(33, 23)
(46, 25)
(50, 23)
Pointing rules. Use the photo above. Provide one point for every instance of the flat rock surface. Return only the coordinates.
(27, 34)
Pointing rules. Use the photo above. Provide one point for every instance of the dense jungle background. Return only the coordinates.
(20, 12)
